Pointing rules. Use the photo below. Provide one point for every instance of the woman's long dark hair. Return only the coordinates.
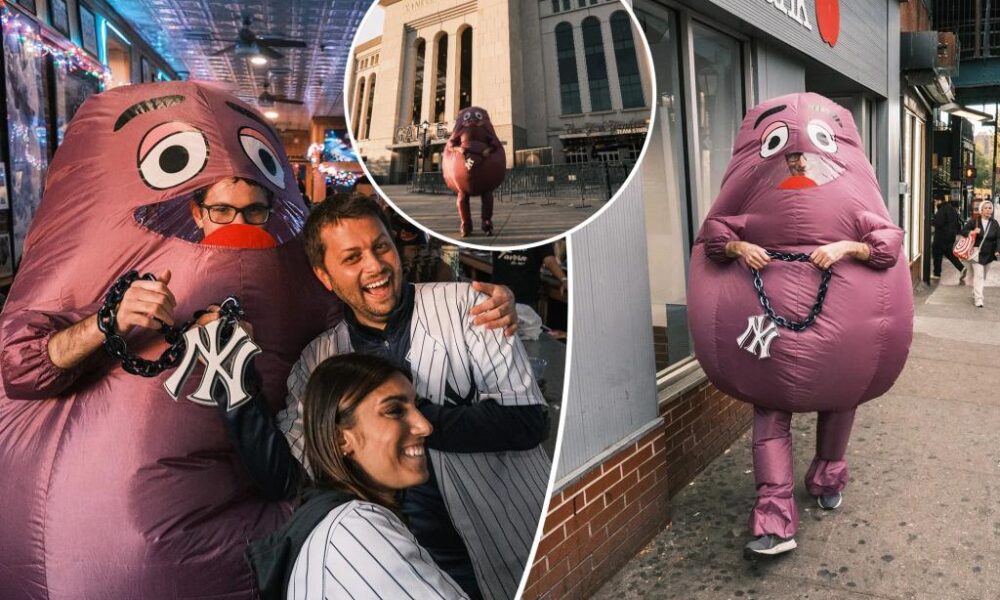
(335, 389)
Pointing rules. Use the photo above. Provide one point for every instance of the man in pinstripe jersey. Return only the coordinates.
(478, 513)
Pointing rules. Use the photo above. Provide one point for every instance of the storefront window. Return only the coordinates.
(685, 184)
(597, 68)
(718, 85)
(666, 210)
(626, 61)
(569, 84)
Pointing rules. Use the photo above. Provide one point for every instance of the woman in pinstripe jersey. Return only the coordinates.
(364, 439)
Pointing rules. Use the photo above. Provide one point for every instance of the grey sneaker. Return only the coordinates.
(768, 545)
(830, 501)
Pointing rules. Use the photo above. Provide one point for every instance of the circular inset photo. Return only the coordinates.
(499, 124)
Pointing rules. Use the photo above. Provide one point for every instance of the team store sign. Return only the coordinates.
(827, 15)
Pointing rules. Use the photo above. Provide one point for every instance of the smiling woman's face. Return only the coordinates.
(387, 438)
(986, 210)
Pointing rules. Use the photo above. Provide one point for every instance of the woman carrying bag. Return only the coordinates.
(986, 249)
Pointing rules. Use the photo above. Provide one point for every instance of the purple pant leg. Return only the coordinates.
(464, 212)
(774, 512)
(828, 472)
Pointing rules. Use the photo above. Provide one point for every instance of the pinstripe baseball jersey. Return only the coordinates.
(361, 550)
(494, 499)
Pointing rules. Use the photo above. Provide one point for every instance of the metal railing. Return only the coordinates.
(975, 22)
(594, 181)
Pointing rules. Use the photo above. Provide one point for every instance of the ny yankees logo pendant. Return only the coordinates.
(759, 334)
(223, 363)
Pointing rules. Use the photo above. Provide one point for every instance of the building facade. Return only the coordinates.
(564, 81)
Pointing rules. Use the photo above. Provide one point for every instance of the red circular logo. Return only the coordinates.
(828, 19)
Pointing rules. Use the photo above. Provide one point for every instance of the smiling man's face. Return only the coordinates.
(361, 266)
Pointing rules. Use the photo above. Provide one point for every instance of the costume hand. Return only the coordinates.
(498, 310)
(147, 304)
(751, 255)
(212, 314)
(825, 256)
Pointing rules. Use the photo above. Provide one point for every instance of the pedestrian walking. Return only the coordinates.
(947, 223)
(986, 248)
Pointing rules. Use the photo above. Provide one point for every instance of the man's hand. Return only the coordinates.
(751, 255)
(824, 257)
(498, 310)
(146, 304)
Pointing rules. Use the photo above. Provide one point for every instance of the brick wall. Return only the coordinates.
(599, 522)
(699, 426)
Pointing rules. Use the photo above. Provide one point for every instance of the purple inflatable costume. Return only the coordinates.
(798, 180)
(111, 489)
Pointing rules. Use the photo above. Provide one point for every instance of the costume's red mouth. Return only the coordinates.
(240, 235)
(797, 182)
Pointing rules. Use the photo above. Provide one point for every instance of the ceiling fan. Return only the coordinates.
(248, 44)
(267, 99)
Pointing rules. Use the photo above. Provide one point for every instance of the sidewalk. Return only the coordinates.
(921, 515)
(516, 221)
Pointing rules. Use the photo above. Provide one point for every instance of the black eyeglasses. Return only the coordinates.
(223, 214)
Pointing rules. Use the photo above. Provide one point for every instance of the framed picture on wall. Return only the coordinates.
(88, 29)
(59, 15)
(147, 70)
(6, 256)
(28, 5)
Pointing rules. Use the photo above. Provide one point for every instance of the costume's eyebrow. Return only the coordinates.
(251, 115)
(767, 113)
(146, 106)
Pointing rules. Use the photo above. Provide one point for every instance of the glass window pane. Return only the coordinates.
(597, 68)
(626, 61)
(718, 85)
(667, 191)
(569, 84)
(418, 82)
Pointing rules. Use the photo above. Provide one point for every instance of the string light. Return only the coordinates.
(71, 58)
(342, 178)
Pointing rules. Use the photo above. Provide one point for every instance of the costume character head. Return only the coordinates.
(799, 179)
(114, 489)
(473, 134)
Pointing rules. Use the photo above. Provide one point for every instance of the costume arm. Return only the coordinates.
(505, 410)
(884, 240)
(370, 548)
(718, 231)
(26, 367)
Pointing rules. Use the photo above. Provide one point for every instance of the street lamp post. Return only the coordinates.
(420, 154)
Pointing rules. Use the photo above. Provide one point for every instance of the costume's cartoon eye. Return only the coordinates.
(171, 154)
(260, 153)
(821, 135)
(773, 139)
(466, 116)
(479, 115)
